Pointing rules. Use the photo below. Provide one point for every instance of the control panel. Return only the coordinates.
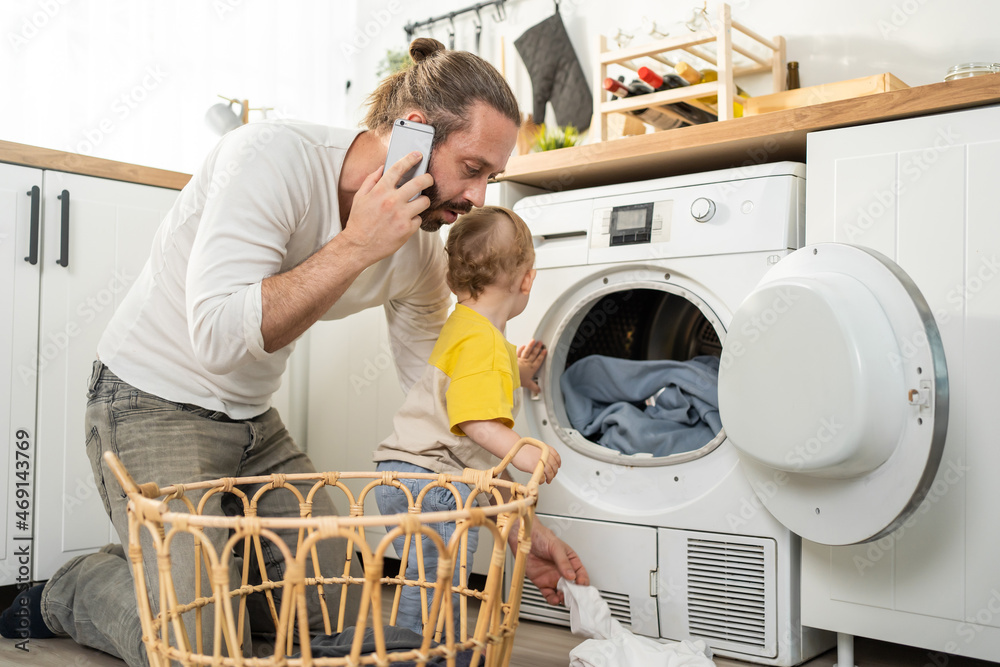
(759, 209)
(647, 222)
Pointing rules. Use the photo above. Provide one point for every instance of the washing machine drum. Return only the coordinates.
(641, 375)
(647, 324)
(833, 388)
(648, 396)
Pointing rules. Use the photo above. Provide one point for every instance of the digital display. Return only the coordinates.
(630, 219)
(631, 224)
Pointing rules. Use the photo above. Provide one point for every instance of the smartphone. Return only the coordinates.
(408, 136)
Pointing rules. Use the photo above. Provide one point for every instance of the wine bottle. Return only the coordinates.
(657, 119)
(692, 114)
(793, 75)
(693, 76)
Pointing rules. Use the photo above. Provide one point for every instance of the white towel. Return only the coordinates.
(611, 645)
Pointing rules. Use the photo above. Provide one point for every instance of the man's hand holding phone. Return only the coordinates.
(383, 216)
(386, 209)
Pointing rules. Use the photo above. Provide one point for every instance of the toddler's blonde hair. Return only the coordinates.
(481, 253)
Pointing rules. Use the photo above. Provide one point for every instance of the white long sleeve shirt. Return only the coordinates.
(264, 200)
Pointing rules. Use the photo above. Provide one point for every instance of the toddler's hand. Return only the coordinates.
(529, 360)
(527, 458)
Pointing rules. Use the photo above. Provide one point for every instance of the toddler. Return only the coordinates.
(460, 413)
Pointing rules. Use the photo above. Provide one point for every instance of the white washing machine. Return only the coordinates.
(680, 546)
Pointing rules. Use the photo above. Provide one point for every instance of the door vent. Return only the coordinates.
(534, 606)
(727, 586)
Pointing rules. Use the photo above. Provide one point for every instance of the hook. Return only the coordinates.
(478, 23)
(501, 12)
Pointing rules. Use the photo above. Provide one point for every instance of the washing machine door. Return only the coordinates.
(833, 389)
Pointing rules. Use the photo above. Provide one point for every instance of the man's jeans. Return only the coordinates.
(92, 598)
(439, 499)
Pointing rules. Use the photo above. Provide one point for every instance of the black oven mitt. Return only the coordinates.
(556, 74)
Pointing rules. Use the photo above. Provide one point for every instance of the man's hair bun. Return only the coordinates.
(424, 47)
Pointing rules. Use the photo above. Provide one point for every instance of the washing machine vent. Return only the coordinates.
(728, 586)
(534, 606)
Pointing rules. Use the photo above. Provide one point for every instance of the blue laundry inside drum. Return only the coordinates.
(642, 374)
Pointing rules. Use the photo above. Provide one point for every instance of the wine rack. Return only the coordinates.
(667, 51)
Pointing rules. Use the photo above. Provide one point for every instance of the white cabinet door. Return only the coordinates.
(89, 263)
(20, 201)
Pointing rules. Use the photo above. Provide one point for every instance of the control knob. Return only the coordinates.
(702, 209)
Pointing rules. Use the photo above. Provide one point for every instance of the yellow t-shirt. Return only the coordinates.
(471, 375)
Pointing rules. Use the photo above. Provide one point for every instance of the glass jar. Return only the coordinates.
(971, 69)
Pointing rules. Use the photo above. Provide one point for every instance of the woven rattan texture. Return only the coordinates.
(159, 518)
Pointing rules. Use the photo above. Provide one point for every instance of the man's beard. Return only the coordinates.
(431, 217)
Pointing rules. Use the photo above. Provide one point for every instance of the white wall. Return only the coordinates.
(131, 80)
(917, 40)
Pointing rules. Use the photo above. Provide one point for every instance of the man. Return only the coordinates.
(284, 224)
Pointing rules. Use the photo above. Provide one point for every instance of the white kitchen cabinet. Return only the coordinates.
(921, 192)
(94, 237)
(19, 282)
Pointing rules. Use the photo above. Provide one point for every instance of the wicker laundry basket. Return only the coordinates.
(159, 518)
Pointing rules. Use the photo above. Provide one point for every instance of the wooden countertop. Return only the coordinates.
(73, 163)
(771, 137)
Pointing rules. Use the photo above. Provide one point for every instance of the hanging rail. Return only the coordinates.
(501, 14)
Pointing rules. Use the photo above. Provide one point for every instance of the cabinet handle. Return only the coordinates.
(63, 260)
(35, 195)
